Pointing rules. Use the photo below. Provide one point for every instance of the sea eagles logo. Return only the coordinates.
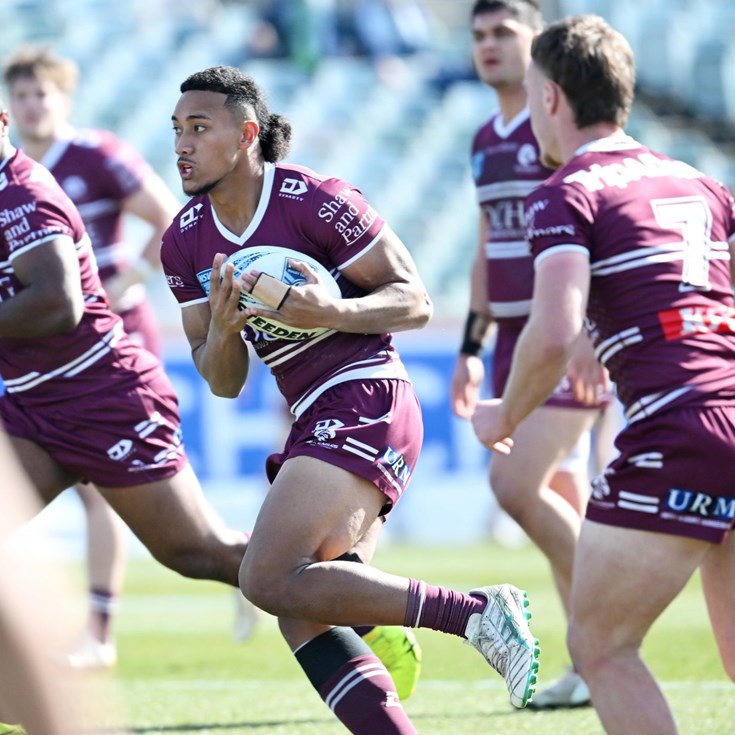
(74, 186)
(326, 429)
(527, 155)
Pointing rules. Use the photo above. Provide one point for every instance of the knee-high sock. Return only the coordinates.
(354, 683)
(440, 608)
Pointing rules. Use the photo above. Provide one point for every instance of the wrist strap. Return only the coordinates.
(475, 334)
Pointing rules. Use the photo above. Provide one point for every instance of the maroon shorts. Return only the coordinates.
(127, 433)
(140, 324)
(506, 338)
(372, 428)
(674, 475)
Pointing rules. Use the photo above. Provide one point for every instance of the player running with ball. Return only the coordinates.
(357, 425)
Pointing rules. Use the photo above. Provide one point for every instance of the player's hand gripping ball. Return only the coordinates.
(273, 261)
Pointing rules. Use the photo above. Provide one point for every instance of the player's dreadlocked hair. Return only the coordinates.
(244, 98)
(527, 12)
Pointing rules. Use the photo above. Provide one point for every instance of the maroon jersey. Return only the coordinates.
(98, 171)
(506, 168)
(325, 218)
(33, 212)
(661, 311)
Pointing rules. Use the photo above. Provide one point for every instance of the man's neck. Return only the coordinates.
(511, 102)
(579, 137)
(236, 203)
(37, 149)
(6, 149)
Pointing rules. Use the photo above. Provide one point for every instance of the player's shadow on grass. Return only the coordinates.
(254, 726)
(221, 726)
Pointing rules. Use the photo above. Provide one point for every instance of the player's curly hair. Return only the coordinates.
(527, 12)
(244, 97)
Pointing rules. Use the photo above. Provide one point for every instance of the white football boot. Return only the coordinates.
(501, 634)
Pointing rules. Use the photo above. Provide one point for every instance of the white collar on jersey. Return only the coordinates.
(55, 152)
(502, 130)
(269, 174)
(618, 141)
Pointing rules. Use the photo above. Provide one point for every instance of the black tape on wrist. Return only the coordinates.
(475, 334)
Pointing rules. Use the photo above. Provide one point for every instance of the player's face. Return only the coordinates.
(501, 48)
(207, 141)
(538, 90)
(39, 108)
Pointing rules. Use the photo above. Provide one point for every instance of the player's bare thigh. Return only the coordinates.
(180, 528)
(623, 580)
(540, 444)
(313, 512)
(46, 475)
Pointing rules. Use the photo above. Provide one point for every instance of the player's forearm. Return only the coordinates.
(224, 364)
(393, 307)
(539, 363)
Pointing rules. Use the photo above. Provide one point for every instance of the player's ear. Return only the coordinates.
(250, 131)
(552, 96)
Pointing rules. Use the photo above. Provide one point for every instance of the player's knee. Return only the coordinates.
(260, 587)
(506, 492)
(728, 663)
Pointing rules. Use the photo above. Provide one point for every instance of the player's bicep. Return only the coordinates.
(51, 269)
(388, 261)
(561, 290)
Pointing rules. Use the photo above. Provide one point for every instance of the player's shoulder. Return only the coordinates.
(187, 219)
(295, 182)
(299, 191)
(23, 179)
(486, 131)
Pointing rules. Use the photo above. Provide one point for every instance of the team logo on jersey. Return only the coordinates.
(600, 487)
(293, 188)
(189, 217)
(74, 186)
(326, 429)
(527, 156)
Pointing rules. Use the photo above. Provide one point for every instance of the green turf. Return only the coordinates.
(180, 671)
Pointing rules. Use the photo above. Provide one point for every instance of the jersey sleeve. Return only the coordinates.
(180, 272)
(30, 219)
(558, 218)
(125, 167)
(344, 222)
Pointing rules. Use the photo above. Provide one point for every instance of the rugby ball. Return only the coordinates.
(273, 261)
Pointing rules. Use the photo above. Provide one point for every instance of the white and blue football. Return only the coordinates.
(273, 260)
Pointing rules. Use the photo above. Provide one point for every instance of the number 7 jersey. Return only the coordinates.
(657, 231)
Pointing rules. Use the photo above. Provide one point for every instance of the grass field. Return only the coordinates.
(180, 672)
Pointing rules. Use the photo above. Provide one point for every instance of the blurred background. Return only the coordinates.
(381, 93)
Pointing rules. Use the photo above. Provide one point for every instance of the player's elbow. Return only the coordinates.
(424, 310)
(224, 390)
(61, 315)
